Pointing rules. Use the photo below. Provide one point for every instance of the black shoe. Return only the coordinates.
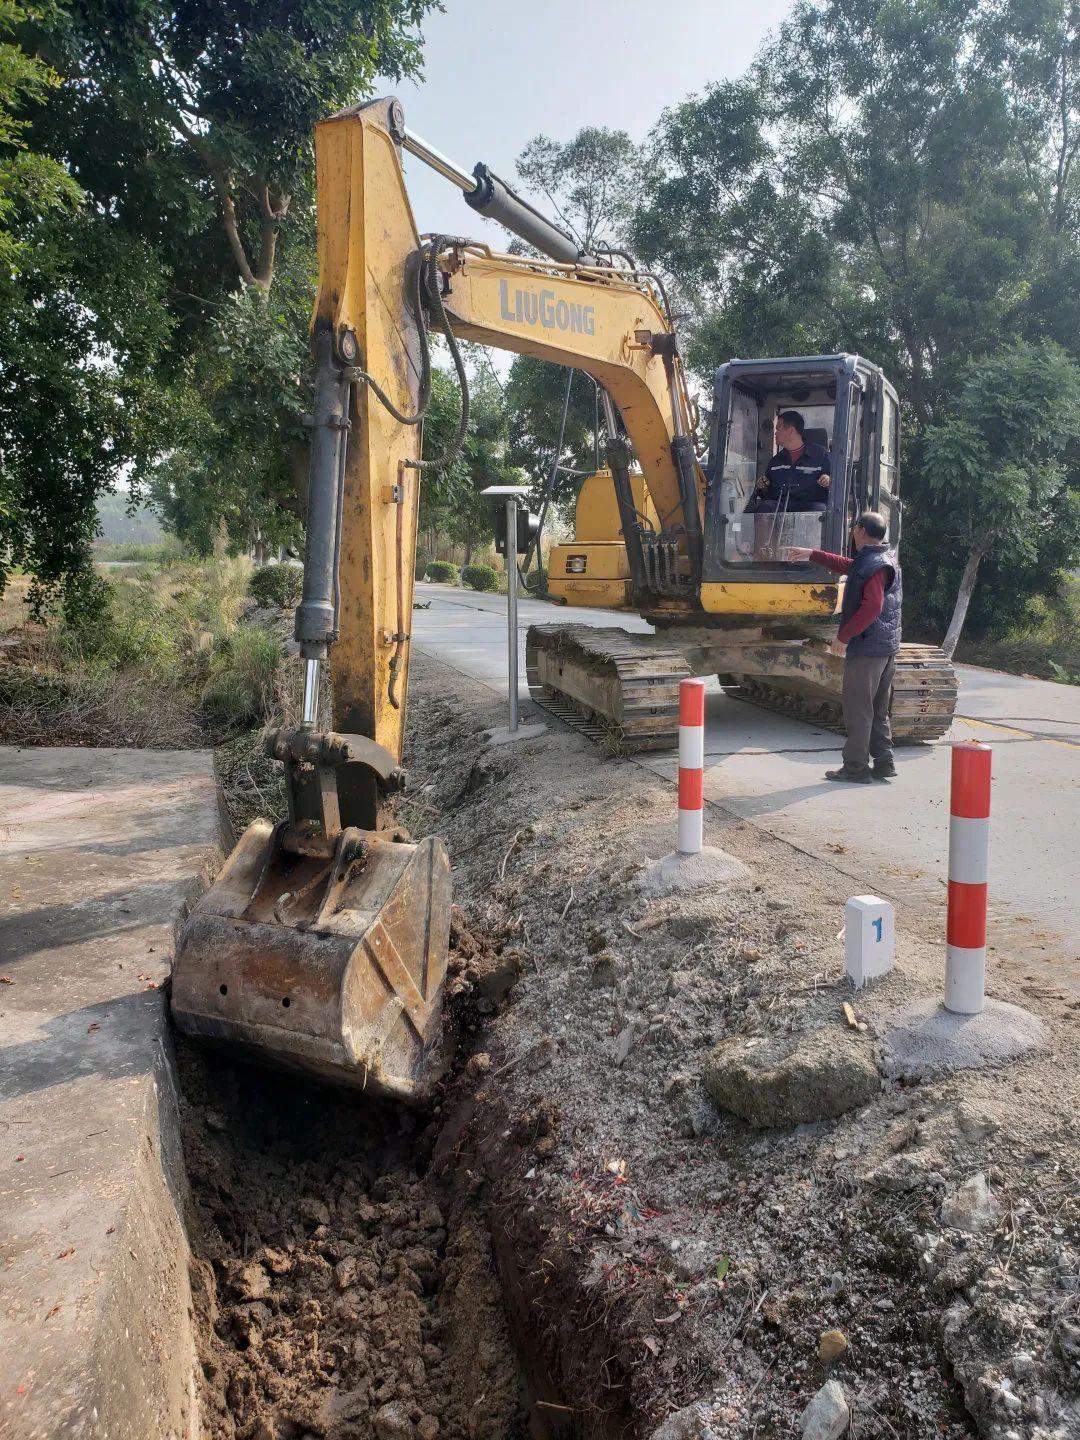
(886, 771)
(856, 777)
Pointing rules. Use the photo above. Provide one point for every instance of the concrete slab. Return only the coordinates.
(925, 1040)
(503, 736)
(98, 851)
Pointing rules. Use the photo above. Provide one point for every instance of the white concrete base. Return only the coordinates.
(924, 1040)
(503, 736)
(710, 869)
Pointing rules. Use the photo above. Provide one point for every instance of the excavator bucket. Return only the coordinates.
(330, 965)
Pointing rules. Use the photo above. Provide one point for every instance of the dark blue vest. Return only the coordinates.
(883, 636)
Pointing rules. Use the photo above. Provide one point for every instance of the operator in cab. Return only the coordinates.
(868, 639)
(798, 476)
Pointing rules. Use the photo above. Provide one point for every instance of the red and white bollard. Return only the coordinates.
(969, 854)
(691, 765)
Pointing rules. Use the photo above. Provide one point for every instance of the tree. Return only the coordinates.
(226, 95)
(591, 182)
(997, 462)
(82, 326)
(894, 177)
(28, 179)
(183, 289)
(451, 504)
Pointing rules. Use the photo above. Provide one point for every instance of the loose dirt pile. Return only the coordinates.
(684, 1268)
(339, 1294)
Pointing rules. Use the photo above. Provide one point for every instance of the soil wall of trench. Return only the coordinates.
(577, 1239)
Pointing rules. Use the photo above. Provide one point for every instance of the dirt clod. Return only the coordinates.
(335, 1297)
(792, 1079)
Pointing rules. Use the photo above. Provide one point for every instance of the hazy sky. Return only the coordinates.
(499, 72)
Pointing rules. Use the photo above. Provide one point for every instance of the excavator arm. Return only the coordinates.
(323, 943)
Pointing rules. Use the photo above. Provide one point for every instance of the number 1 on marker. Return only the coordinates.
(877, 928)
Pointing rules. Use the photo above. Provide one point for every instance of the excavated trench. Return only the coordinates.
(340, 1291)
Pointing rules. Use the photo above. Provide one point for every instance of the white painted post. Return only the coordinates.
(869, 938)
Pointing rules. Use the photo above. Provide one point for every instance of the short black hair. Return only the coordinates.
(794, 419)
(874, 523)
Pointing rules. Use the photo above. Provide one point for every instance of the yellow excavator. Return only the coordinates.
(322, 944)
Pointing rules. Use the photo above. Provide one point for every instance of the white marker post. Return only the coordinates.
(869, 938)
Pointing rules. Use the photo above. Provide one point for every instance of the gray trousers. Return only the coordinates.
(868, 681)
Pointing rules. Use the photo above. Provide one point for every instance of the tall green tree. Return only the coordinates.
(178, 297)
(895, 177)
(590, 181)
(997, 463)
(29, 180)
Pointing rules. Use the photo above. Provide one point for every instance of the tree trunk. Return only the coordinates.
(963, 600)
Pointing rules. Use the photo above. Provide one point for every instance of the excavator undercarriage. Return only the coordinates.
(623, 688)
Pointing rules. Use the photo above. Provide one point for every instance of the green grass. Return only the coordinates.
(166, 663)
(1048, 647)
(158, 552)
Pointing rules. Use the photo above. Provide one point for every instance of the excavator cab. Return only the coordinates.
(848, 407)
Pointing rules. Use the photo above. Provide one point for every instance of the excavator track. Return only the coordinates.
(924, 697)
(622, 690)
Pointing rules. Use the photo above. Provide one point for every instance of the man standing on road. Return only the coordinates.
(868, 638)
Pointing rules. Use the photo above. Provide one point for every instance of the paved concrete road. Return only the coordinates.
(892, 839)
(98, 849)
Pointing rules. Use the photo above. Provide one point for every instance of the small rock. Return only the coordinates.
(831, 1346)
(392, 1422)
(692, 1423)
(791, 1080)
(479, 1064)
(1022, 1365)
(427, 1428)
(1067, 1341)
(968, 1206)
(828, 1415)
(216, 1120)
(248, 1281)
(276, 1261)
(624, 1044)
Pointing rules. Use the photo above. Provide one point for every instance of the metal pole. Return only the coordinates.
(511, 606)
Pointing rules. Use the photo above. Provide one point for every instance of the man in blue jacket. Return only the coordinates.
(868, 638)
(798, 476)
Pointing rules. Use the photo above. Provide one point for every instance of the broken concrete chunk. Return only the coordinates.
(828, 1415)
(968, 1206)
(791, 1080)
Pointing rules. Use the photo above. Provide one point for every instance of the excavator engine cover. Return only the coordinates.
(331, 964)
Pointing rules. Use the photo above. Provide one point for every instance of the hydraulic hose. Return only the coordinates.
(427, 277)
